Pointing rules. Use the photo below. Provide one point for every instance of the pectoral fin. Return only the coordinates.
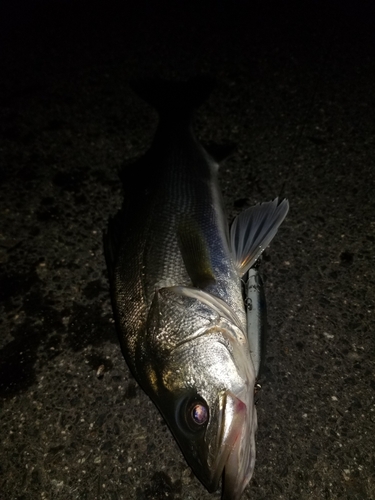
(195, 254)
(253, 230)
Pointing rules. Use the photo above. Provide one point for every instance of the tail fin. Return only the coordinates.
(169, 97)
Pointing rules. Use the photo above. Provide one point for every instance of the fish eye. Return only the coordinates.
(196, 414)
(199, 414)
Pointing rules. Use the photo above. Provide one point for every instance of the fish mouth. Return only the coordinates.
(236, 461)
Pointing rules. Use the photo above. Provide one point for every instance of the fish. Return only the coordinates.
(256, 315)
(185, 307)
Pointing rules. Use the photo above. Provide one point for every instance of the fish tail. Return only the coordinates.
(169, 97)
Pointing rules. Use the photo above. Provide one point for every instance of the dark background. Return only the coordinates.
(295, 92)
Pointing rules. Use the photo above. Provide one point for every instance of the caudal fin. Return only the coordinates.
(174, 97)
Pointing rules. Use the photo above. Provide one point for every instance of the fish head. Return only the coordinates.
(201, 377)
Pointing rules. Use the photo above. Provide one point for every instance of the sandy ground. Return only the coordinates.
(296, 94)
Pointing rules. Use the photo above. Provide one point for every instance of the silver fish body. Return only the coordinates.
(175, 274)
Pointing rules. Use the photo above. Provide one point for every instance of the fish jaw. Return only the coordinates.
(240, 463)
